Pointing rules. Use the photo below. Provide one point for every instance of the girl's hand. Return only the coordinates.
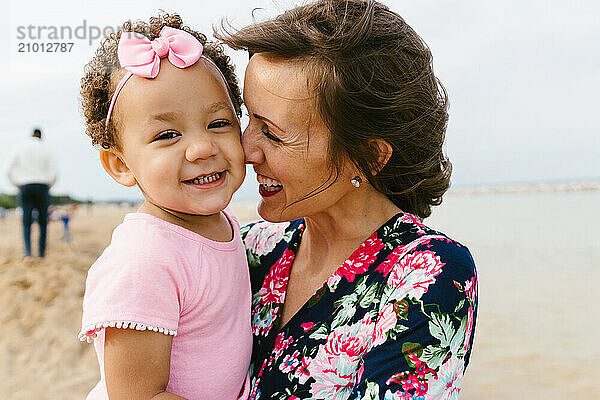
(137, 364)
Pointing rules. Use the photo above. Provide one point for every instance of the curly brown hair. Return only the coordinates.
(103, 72)
(374, 79)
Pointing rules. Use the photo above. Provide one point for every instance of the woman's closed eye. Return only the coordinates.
(265, 131)
(166, 135)
(269, 135)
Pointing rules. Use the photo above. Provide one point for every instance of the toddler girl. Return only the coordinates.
(167, 304)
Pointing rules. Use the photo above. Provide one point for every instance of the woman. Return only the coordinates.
(353, 297)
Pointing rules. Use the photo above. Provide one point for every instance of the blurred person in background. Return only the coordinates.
(31, 168)
(65, 216)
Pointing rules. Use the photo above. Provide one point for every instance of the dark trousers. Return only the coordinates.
(34, 196)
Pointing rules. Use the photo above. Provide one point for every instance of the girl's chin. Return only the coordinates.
(200, 210)
(207, 211)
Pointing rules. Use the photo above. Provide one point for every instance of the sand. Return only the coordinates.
(40, 309)
(538, 328)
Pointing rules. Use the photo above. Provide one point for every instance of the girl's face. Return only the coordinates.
(290, 168)
(180, 138)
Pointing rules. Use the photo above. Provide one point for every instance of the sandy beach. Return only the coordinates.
(537, 332)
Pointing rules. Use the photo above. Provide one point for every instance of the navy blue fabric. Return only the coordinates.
(386, 370)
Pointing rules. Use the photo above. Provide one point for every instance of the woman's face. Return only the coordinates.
(287, 143)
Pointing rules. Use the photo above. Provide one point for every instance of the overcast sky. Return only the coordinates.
(523, 80)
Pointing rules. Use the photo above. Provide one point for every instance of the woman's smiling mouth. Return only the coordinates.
(267, 186)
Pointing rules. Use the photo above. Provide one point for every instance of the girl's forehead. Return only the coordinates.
(174, 95)
(198, 83)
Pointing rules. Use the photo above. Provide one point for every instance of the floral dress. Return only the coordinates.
(395, 321)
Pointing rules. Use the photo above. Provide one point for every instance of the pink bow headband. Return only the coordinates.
(141, 57)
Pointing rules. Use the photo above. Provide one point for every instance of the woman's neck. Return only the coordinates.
(335, 233)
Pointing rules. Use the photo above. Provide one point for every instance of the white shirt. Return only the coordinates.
(31, 162)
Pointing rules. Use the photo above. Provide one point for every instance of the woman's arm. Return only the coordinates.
(137, 364)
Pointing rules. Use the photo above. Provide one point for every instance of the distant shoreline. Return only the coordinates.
(589, 186)
(539, 187)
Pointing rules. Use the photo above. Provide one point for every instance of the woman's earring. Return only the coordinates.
(356, 181)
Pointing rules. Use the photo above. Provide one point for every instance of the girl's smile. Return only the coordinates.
(180, 141)
(208, 181)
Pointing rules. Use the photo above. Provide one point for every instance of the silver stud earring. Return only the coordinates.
(356, 181)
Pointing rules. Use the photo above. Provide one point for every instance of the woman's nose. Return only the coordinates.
(201, 148)
(252, 149)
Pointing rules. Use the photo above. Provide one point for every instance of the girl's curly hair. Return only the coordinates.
(103, 72)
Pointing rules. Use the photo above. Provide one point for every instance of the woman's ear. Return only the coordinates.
(385, 150)
(115, 166)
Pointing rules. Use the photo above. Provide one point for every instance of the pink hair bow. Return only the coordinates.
(141, 56)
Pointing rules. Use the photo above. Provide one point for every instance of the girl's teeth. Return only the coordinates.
(207, 179)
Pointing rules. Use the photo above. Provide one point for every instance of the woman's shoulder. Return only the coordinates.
(409, 247)
(407, 233)
(421, 257)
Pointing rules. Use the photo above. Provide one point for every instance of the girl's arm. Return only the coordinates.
(137, 364)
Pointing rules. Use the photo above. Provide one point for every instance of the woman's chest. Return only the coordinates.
(302, 285)
(326, 337)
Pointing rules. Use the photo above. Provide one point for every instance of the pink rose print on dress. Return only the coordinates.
(262, 238)
(262, 319)
(421, 368)
(400, 396)
(359, 373)
(386, 321)
(361, 259)
(396, 255)
(290, 362)
(448, 383)
(281, 345)
(414, 273)
(333, 281)
(324, 355)
(302, 372)
(336, 365)
(471, 288)
(274, 285)
(307, 326)
(469, 328)
(413, 384)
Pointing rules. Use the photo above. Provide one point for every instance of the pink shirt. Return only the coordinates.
(159, 276)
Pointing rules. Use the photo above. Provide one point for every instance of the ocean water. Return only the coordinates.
(538, 260)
